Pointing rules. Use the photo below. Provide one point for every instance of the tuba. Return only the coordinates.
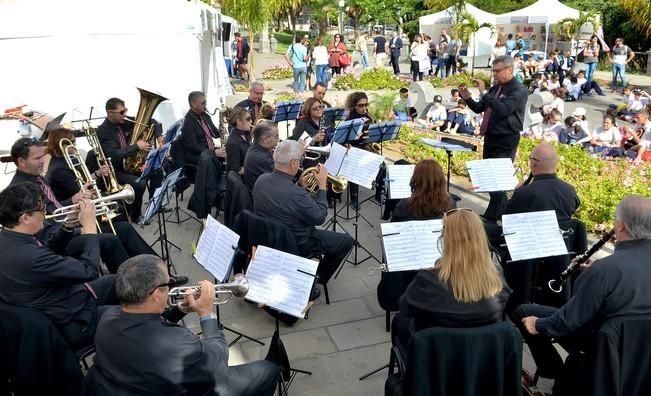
(143, 129)
(307, 179)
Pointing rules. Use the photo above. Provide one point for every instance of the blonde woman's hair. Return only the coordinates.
(466, 263)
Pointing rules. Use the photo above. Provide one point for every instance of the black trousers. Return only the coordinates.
(130, 239)
(335, 246)
(253, 379)
(139, 187)
(111, 248)
(548, 361)
(402, 328)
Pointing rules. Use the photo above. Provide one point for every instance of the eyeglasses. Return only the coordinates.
(41, 208)
(247, 119)
(452, 211)
(204, 103)
(31, 142)
(315, 108)
(495, 71)
(169, 284)
(361, 105)
(534, 159)
(121, 112)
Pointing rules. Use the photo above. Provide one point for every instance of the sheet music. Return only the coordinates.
(281, 280)
(216, 248)
(305, 138)
(361, 167)
(532, 235)
(493, 174)
(411, 245)
(336, 158)
(399, 177)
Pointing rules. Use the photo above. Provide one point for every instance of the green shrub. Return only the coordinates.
(381, 105)
(278, 72)
(600, 184)
(285, 96)
(372, 80)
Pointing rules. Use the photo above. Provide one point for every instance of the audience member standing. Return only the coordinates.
(380, 50)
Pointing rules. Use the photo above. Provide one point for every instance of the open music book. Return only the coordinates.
(532, 235)
(411, 245)
(398, 178)
(281, 280)
(493, 174)
(357, 165)
(215, 249)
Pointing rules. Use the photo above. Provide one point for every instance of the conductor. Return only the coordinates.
(503, 106)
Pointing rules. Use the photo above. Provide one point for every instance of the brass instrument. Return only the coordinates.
(264, 113)
(307, 179)
(103, 206)
(237, 288)
(110, 181)
(143, 129)
(374, 147)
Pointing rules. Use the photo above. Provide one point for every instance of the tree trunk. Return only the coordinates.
(474, 53)
(251, 72)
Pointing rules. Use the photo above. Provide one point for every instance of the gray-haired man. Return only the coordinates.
(138, 352)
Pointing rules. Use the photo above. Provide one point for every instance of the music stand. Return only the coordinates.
(332, 114)
(157, 207)
(154, 161)
(287, 111)
(449, 149)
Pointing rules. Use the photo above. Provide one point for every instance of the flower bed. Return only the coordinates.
(600, 184)
(378, 79)
(278, 72)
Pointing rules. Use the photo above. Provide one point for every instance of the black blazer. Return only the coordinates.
(61, 179)
(236, 149)
(506, 119)
(193, 138)
(545, 192)
(110, 142)
(398, 43)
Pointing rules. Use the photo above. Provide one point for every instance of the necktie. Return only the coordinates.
(122, 137)
(206, 131)
(88, 287)
(48, 191)
(487, 114)
(38, 243)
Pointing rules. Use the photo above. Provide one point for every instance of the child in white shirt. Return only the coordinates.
(437, 115)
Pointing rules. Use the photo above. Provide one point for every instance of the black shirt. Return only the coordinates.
(193, 137)
(35, 276)
(431, 303)
(146, 355)
(380, 44)
(258, 160)
(110, 142)
(617, 285)
(545, 192)
(276, 197)
(61, 179)
(237, 145)
(306, 125)
(401, 211)
(506, 118)
(251, 107)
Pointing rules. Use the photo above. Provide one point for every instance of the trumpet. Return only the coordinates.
(318, 151)
(307, 179)
(104, 206)
(237, 288)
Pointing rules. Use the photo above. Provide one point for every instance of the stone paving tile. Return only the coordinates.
(358, 334)
(299, 345)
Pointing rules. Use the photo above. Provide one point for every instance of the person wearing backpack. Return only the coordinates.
(297, 57)
(620, 55)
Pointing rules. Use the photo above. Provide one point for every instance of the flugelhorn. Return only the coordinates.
(237, 288)
(104, 206)
(318, 151)
(309, 182)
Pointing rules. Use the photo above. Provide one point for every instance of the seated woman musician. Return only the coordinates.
(357, 107)
(311, 122)
(64, 185)
(464, 289)
(239, 139)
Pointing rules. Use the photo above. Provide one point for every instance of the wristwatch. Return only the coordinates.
(211, 316)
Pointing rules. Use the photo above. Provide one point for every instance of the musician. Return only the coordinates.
(59, 277)
(239, 139)
(64, 185)
(28, 154)
(545, 191)
(503, 106)
(259, 159)
(127, 362)
(464, 289)
(617, 285)
(429, 197)
(319, 93)
(198, 130)
(253, 104)
(311, 122)
(275, 196)
(113, 136)
(357, 107)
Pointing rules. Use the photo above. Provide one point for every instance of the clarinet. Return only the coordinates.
(576, 263)
(528, 180)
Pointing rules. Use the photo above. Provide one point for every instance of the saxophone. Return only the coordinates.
(143, 129)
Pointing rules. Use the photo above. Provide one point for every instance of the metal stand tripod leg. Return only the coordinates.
(283, 387)
(239, 334)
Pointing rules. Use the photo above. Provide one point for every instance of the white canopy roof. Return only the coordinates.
(542, 11)
(446, 17)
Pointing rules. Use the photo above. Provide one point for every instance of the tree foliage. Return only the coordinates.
(571, 27)
(639, 13)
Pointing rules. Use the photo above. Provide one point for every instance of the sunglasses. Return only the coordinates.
(121, 112)
(169, 284)
(453, 211)
(41, 208)
(31, 142)
(321, 107)
(361, 105)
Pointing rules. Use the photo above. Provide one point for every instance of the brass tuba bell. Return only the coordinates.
(143, 129)
(309, 182)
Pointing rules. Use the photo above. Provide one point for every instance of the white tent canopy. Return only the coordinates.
(543, 11)
(447, 16)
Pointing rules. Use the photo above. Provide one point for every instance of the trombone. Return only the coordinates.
(237, 288)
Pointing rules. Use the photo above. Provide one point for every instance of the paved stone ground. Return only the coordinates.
(341, 341)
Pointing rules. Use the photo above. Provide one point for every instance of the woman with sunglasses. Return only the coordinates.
(357, 106)
(464, 289)
(336, 49)
(239, 139)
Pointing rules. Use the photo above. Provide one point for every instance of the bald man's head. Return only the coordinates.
(543, 159)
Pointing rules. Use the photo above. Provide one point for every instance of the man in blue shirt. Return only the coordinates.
(297, 57)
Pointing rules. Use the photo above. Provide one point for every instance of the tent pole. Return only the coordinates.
(546, 38)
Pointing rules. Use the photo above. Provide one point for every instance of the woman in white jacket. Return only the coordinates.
(420, 61)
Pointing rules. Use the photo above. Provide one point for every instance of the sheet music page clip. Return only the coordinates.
(305, 272)
(509, 233)
(389, 180)
(390, 234)
(382, 267)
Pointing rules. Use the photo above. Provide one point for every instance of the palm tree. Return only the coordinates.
(639, 13)
(570, 28)
(467, 29)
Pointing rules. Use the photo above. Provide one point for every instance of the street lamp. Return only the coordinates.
(341, 17)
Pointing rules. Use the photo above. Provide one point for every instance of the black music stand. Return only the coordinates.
(287, 111)
(450, 146)
(157, 207)
(332, 114)
(154, 161)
